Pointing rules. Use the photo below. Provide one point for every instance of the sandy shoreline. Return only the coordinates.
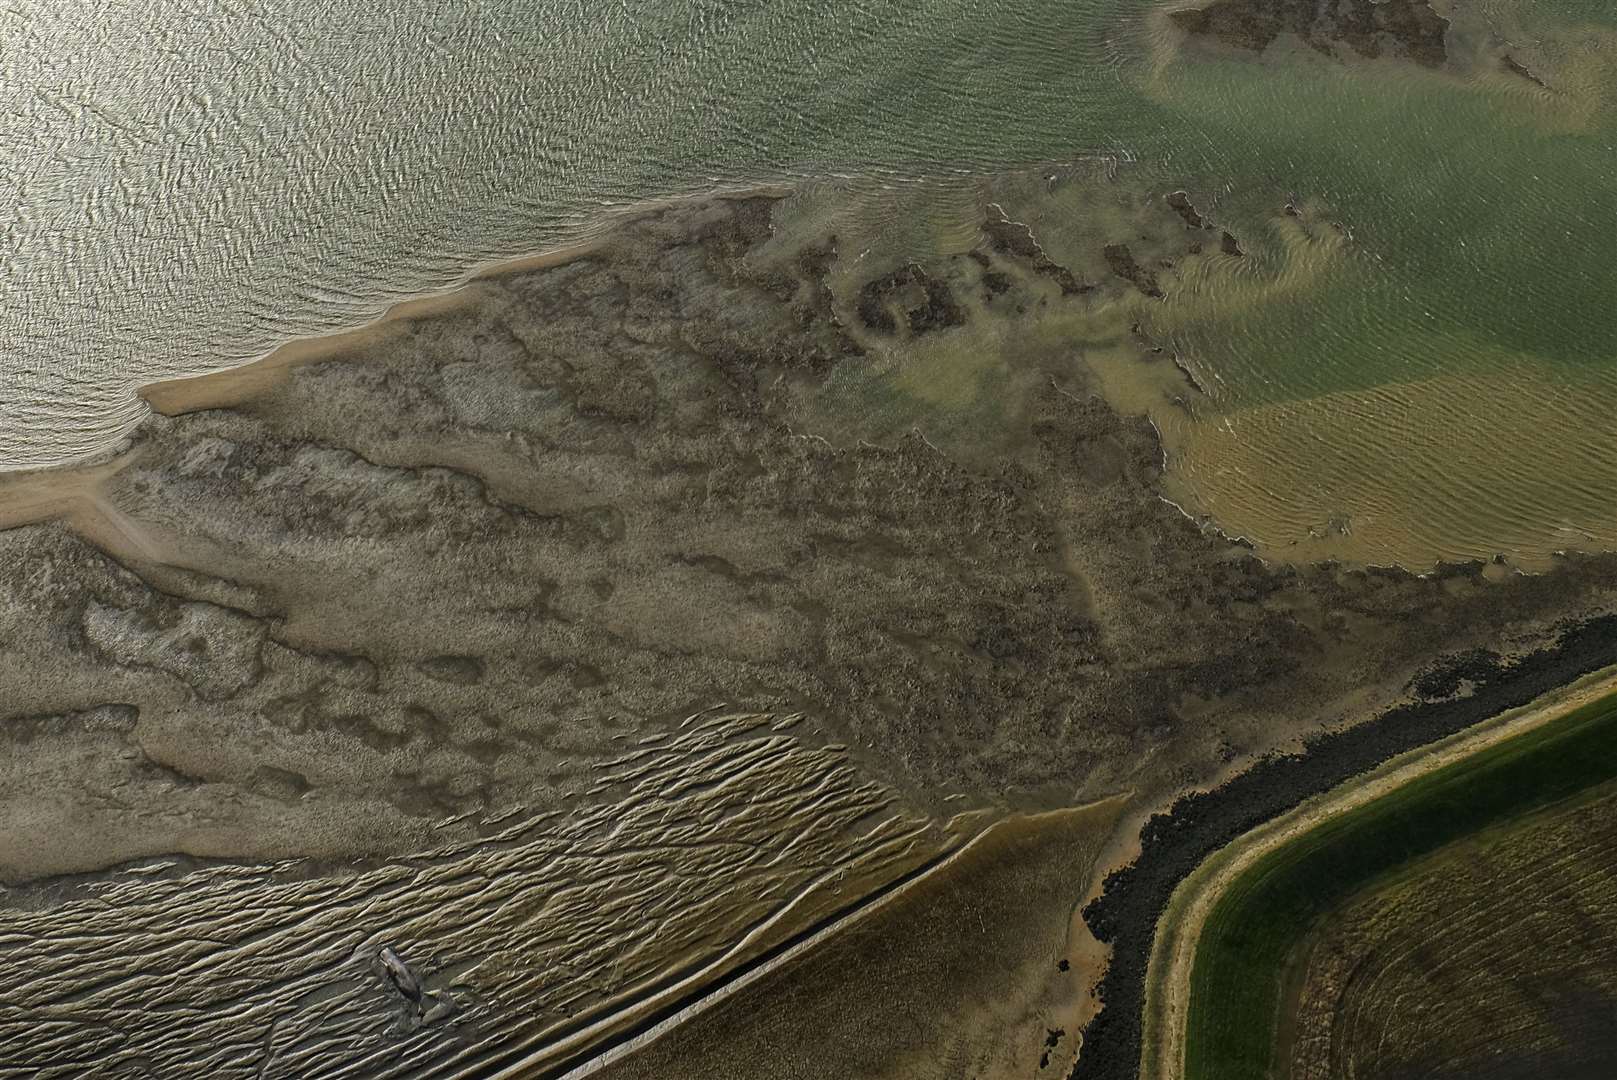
(233, 385)
(237, 382)
(69, 491)
(1173, 953)
(24, 496)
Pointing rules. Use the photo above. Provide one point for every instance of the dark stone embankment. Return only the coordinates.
(1175, 843)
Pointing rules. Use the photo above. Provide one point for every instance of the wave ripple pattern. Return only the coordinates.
(185, 184)
(685, 848)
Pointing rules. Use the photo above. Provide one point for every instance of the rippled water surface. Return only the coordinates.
(190, 182)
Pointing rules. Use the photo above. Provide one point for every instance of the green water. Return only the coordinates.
(1422, 364)
(1479, 231)
(1445, 380)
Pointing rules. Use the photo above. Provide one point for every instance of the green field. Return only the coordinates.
(1250, 937)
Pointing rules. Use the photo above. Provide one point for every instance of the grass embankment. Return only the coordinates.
(1241, 957)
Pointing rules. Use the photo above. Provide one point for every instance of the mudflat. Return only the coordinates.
(690, 571)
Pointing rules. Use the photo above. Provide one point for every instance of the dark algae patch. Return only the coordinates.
(934, 309)
(1013, 238)
(1124, 265)
(1180, 203)
(1182, 206)
(1400, 28)
(1175, 843)
(1052, 1039)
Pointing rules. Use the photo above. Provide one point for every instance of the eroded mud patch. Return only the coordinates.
(1409, 29)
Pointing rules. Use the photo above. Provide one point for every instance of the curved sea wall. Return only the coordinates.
(1173, 844)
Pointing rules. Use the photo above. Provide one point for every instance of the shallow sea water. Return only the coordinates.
(187, 183)
(190, 182)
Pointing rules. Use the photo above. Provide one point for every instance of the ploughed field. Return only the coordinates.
(1460, 925)
(1495, 958)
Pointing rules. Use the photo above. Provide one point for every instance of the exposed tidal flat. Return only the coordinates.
(565, 653)
(1424, 227)
(531, 669)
